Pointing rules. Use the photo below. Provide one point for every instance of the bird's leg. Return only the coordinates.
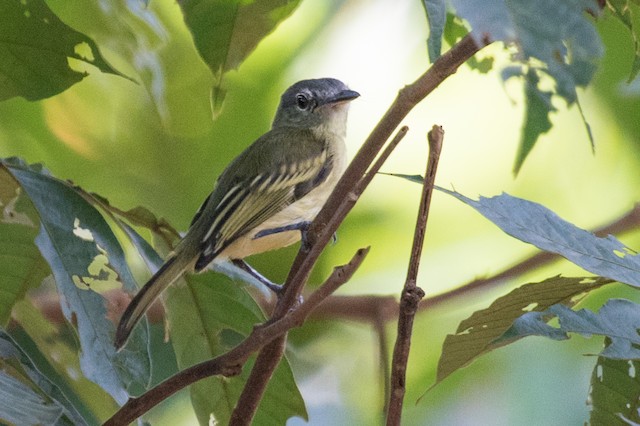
(303, 227)
(276, 288)
(298, 226)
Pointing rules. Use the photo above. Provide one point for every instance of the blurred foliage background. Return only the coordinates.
(156, 144)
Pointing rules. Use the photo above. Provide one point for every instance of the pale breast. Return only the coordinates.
(303, 210)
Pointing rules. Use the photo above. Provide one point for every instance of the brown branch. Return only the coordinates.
(271, 354)
(327, 221)
(230, 363)
(344, 195)
(411, 293)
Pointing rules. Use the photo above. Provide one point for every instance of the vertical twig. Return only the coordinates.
(411, 293)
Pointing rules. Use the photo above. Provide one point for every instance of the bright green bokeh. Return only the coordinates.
(155, 144)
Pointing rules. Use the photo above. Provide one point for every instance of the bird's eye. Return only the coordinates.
(302, 101)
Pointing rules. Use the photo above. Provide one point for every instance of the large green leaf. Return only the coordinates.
(52, 347)
(26, 396)
(86, 259)
(226, 32)
(481, 332)
(35, 51)
(21, 265)
(615, 392)
(208, 317)
(535, 224)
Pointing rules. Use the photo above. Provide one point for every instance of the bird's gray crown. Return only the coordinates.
(301, 104)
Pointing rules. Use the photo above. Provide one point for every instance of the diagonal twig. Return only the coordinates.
(230, 363)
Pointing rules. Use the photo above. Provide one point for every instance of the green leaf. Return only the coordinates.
(35, 51)
(535, 224)
(626, 11)
(226, 32)
(437, 17)
(454, 30)
(21, 265)
(615, 392)
(554, 39)
(618, 319)
(53, 350)
(86, 259)
(28, 397)
(479, 333)
(536, 120)
(209, 317)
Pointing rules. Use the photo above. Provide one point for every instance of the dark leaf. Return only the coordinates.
(536, 120)
(35, 51)
(615, 392)
(479, 333)
(206, 321)
(226, 32)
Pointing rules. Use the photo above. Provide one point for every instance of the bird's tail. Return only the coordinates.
(170, 271)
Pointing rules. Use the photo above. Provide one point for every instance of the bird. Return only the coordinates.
(266, 197)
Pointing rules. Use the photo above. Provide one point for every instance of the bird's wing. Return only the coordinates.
(255, 198)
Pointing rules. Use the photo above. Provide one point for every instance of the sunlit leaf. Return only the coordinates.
(86, 259)
(614, 397)
(35, 49)
(535, 224)
(618, 319)
(226, 32)
(627, 12)
(437, 17)
(454, 30)
(479, 333)
(21, 265)
(26, 396)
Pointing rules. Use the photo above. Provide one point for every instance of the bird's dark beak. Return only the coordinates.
(344, 96)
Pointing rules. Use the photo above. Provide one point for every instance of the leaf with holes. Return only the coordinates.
(535, 224)
(480, 333)
(86, 259)
(614, 396)
(35, 49)
(618, 319)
